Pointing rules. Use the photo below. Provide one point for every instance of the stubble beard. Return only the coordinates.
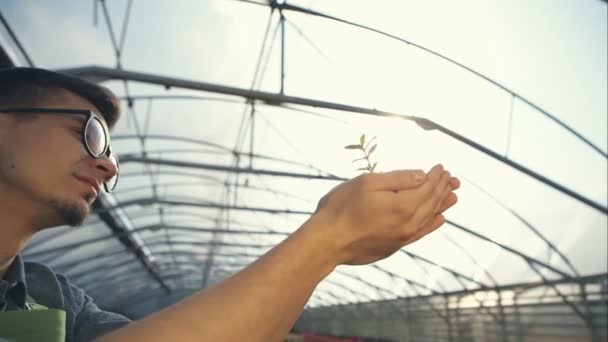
(73, 213)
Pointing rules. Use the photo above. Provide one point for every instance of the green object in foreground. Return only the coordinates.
(35, 325)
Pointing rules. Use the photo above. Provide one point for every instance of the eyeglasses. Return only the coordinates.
(94, 134)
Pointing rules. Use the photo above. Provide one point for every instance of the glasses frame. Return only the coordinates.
(90, 116)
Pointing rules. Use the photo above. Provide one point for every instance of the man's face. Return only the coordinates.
(43, 161)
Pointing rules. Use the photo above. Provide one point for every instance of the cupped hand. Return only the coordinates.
(370, 217)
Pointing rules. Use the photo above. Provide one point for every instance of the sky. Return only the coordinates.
(552, 53)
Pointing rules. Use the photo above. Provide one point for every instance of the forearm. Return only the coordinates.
(261, 302)
(358, 222)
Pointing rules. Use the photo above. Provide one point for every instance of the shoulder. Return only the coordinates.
(85, 320)
(52, 289)
(43, 285)
(90, 320)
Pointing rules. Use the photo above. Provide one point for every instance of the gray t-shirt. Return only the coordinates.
(84, 320)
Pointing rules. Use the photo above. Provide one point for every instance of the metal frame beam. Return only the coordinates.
(123, 231)
(214, 167)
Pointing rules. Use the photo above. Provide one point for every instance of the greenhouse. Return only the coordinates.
(235, 118)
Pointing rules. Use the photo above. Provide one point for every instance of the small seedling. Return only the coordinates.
(367, 149)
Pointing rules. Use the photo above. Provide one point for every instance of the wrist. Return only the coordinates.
(316, 234)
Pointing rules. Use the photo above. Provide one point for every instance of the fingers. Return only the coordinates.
(448, 199)
(408, 202)
(431, 203)
(443, 202)
(433, 177)
(435, 222)
(455, 183)
(448, 202)
(397, 180)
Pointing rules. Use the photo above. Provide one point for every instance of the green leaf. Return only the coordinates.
(374, 166)
(363, 169)
(369, 143)
(372, 149)
(362, 139)
(359, 159)
(352, 147)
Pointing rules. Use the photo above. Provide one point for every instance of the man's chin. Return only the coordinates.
(71, 212)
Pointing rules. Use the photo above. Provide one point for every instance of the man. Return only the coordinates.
(45, 124)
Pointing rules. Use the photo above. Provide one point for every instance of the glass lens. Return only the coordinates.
(111, 184)
(95, 137)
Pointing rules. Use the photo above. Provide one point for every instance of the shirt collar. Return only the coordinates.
(14, 283)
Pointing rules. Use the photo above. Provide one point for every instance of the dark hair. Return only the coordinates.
(24, 86)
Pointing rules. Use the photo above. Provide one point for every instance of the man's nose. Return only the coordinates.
(106, 167)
